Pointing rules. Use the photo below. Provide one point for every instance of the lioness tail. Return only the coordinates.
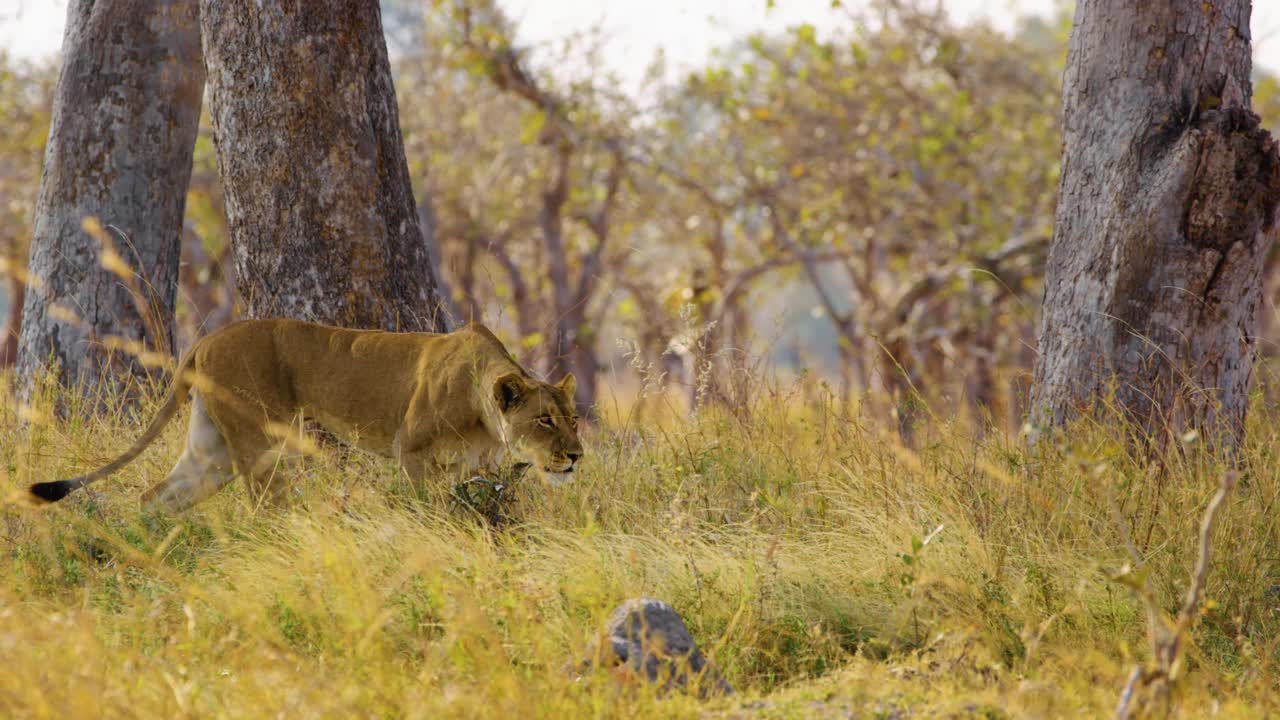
(53, 491)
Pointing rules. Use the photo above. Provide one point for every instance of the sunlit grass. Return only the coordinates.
(823, 566)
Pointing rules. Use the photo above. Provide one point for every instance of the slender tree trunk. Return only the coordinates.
(551, 220)
(526, 308)
(572, 342)
(1168, 189)
(847, 372)
(707, 340)
(1023, 359)
(707, 284)
(17, 291)
(319, 203)
(897, 368)
(435, 256)
(573, 350)
(465, 270)
(739, 362)
(586, 367)
(206, 285)
(980, 382)
(125, 118)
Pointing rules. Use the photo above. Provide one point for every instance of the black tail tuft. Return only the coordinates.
(52, 491)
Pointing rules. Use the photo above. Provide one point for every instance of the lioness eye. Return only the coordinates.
(545, 422)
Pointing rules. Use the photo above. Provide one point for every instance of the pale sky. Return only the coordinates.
(685, 29)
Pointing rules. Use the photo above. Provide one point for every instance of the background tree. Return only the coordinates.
(1168, 191)
(906, 173)
(321, 212)
(119, 155)
(532, 199)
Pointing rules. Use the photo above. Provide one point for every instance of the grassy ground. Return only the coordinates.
(828, 571)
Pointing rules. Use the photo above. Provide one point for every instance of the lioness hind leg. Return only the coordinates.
(273, 473)
(273, 460)
(204, 468)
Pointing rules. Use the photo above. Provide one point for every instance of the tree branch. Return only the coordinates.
(806, 258)
(598, 223)
(742, 279)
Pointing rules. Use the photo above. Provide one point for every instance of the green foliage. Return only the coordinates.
(910, 156)
(1266, 100)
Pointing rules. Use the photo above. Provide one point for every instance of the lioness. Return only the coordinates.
(430, 401)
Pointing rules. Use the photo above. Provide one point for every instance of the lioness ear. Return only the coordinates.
(509, 390)
(569, 385)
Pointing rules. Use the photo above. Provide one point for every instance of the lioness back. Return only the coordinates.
(356, 382)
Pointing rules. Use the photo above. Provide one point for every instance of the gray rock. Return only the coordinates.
(647, 638)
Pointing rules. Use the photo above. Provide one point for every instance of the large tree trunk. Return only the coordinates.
(124, 124)
(319, 204)
(1169, 188)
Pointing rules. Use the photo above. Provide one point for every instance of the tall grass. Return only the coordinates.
(824, 567)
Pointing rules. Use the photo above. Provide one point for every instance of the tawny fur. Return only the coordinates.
(430, 401)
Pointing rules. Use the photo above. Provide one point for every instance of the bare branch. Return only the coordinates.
(598, 222)
(743, 279)
(806, 257)
(519, 288)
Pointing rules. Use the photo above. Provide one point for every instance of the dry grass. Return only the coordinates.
(825, 568)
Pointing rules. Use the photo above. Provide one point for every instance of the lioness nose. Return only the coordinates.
(573, 457)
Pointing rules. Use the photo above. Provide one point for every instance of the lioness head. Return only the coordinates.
(540, 419)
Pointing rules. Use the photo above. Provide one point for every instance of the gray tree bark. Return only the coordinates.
(322, 216)
(1168, 192)
(125, 118)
